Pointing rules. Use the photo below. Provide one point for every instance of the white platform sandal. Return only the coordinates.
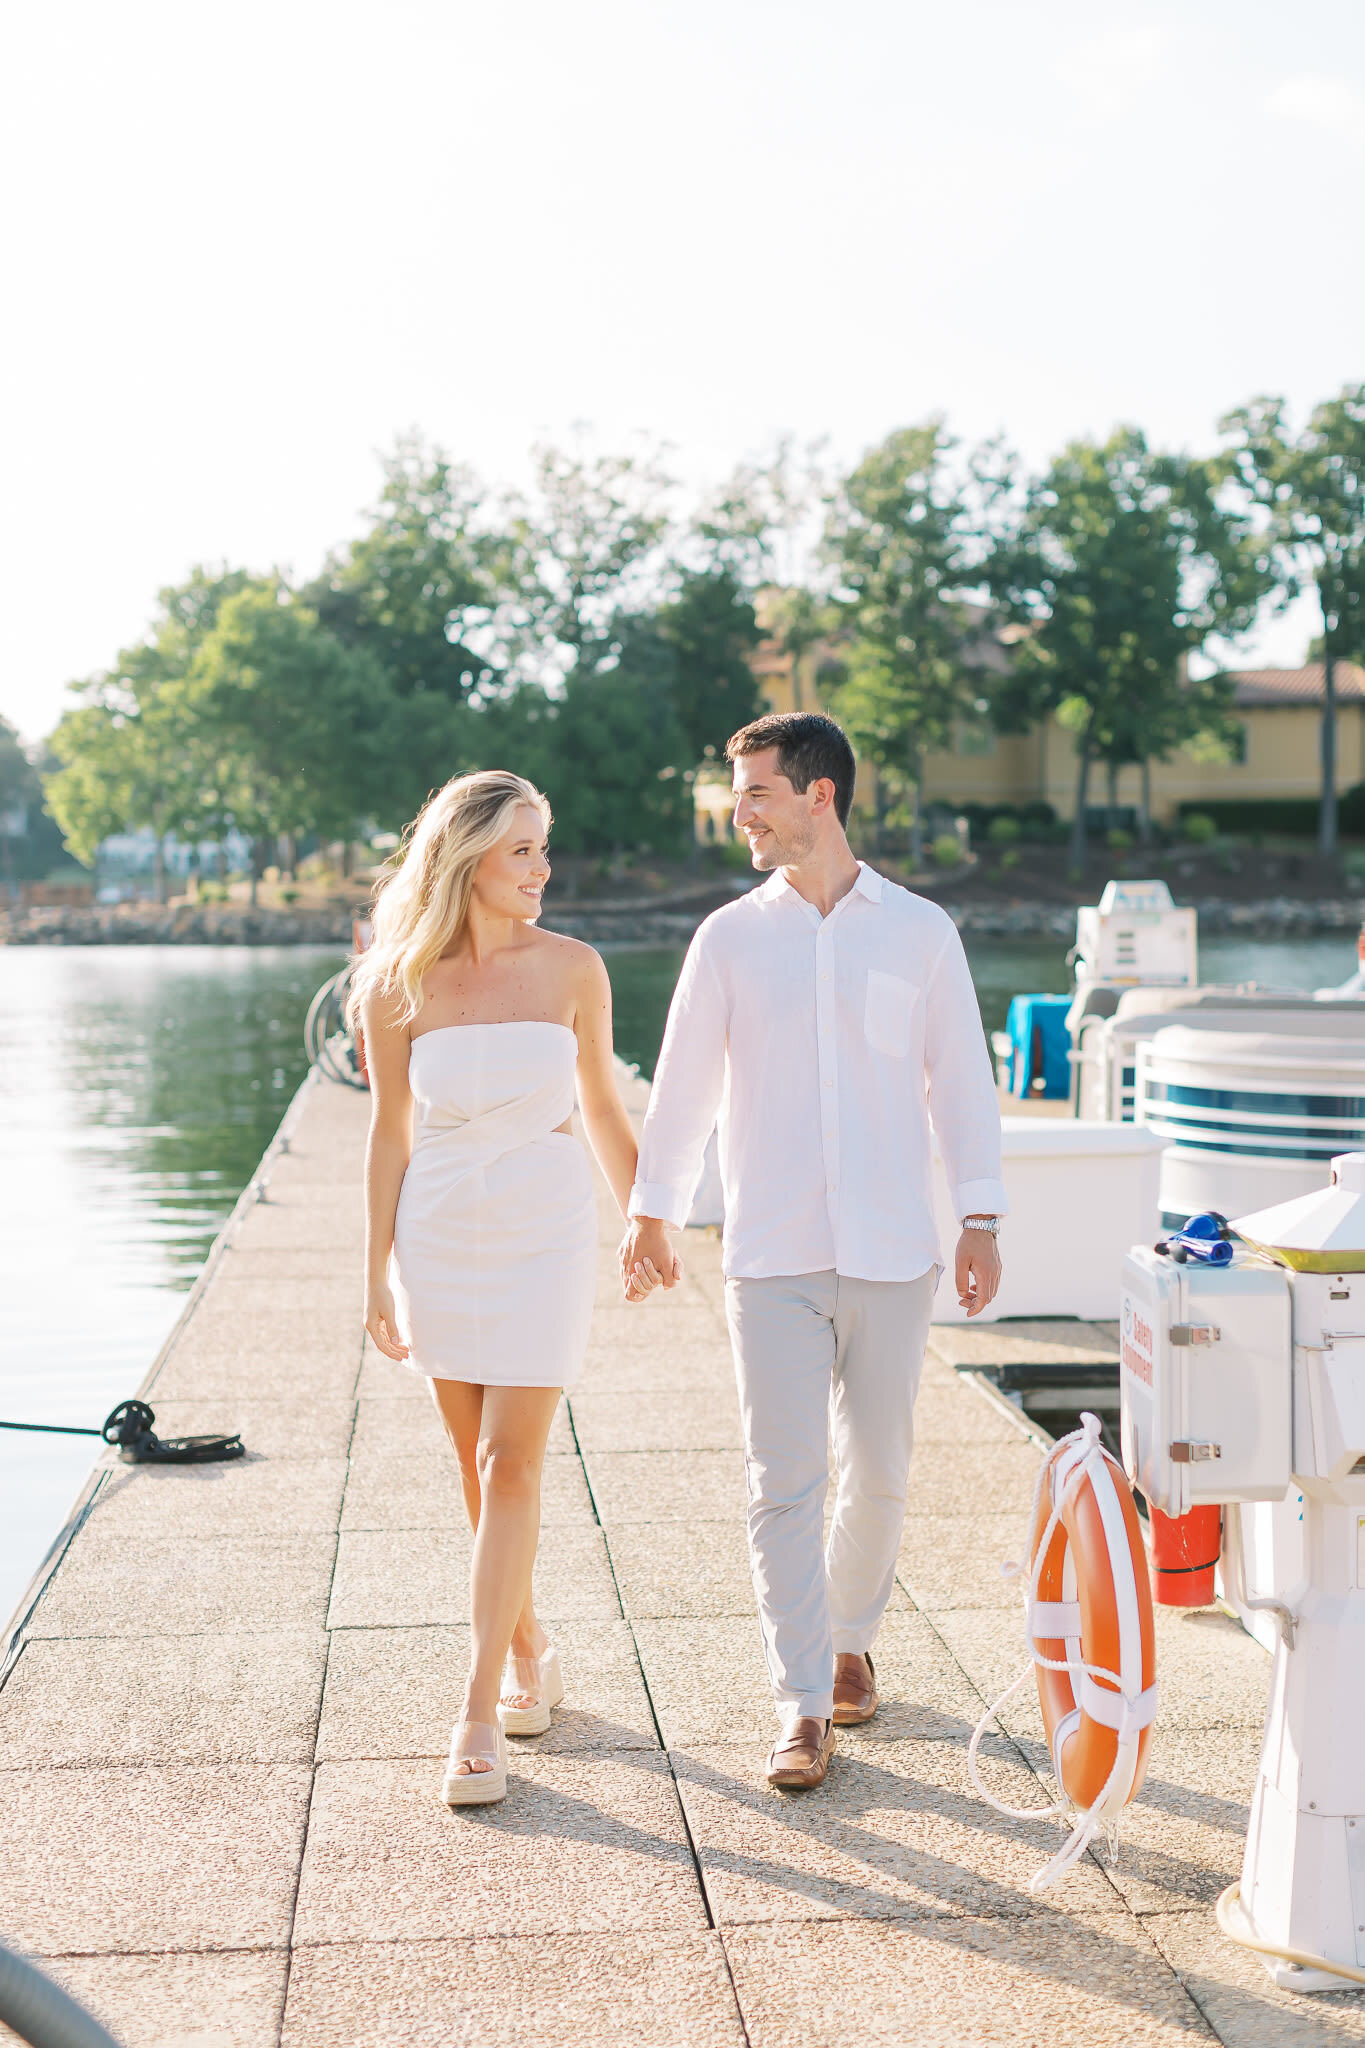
(541, 1679)
(476, 1742)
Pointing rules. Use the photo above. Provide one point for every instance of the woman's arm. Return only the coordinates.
(604, 1114)
(387, 1153)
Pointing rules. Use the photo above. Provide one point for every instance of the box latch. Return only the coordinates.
(1182, 1334)
(1186, 1453)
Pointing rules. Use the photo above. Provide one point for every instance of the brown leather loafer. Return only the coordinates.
(855, 1689)
(799, 1762)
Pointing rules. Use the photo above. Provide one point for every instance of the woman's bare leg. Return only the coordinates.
(460, 1407)
(513, 1427)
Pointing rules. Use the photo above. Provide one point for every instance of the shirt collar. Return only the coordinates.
(869, 884)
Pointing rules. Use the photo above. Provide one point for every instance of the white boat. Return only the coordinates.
(1244, 1093)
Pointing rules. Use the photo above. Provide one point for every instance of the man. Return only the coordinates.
(814, 1015)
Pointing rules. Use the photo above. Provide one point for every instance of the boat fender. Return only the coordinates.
(1185, 1552)
(1092, 1643)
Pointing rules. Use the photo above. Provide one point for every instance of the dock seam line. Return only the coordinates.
(322, 1696)
(663, 1747)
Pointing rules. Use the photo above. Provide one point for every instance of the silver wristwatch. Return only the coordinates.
(989, 1224)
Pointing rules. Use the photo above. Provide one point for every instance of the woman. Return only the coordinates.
(481, 1229)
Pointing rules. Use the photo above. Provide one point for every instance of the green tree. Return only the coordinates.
(763, 523)
(29, 840)
(581, 558)
(292, 715)
(418, 589)
(1309, 488)
(132, 753)
(708, 627)
(762, 527)
(900, 542)
(610, 752)
(19, 794)
(1175, 711)
(1122, 561)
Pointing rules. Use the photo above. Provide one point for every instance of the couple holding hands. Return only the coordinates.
(821, 1020)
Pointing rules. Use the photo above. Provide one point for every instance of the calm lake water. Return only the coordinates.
(139, 1087)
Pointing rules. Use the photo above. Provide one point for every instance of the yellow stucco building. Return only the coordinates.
(1278, 711)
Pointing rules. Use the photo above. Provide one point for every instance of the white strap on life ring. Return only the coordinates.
(1054, 1619)
(1120, 1702)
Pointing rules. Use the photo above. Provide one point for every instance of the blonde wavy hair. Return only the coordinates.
(422, 900)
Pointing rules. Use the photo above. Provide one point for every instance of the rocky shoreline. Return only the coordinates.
(152, 924)
(667, 923)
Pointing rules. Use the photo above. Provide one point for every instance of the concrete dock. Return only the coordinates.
(221, 1744)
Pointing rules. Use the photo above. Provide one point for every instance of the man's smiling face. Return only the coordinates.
(774, 818)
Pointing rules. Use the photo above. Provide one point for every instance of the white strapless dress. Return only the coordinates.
(495, 1240)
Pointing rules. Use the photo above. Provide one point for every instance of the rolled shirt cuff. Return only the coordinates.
(652, 1198)
(981, 1198)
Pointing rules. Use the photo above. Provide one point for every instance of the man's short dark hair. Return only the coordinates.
(810, 747)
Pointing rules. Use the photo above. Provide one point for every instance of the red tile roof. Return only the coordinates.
(1296, 685)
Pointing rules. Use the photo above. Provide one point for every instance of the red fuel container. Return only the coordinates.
(1183, 1554)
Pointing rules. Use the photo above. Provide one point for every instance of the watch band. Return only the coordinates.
(989, 1224)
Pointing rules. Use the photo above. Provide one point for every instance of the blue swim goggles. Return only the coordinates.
(1203, 1237)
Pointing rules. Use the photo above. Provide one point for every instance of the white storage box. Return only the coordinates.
(1080, 1194)
(1207, 1357)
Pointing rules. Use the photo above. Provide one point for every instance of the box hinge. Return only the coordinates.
(1186, 1453)
(1194, 1333)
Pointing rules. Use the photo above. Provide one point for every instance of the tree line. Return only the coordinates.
(600, 644)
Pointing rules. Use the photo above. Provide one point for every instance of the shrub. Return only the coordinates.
(1199, 828)
(946, 850)
(1009, 858)
(289, 896)
(1119, 841)
(1003, 831)
(1296, 817)
(1036, 820)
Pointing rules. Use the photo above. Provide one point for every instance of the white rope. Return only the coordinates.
(1129, 1717)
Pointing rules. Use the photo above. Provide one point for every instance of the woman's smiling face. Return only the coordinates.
(510, 879)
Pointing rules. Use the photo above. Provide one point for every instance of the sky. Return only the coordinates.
(243, 249)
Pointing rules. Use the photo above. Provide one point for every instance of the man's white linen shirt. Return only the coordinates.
(821, 1046)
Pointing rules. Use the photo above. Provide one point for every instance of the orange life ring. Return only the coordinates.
(1091, 1615)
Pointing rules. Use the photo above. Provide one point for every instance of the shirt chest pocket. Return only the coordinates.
(889, 1012)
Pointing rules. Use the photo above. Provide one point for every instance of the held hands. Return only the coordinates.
(976, 1270)
(647, 1258)
(381, 1320)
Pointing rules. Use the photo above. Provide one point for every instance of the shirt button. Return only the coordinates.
(829, 1083)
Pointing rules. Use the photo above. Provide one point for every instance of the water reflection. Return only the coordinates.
(138, 1089)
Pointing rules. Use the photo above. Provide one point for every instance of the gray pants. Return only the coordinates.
(821, 1358)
